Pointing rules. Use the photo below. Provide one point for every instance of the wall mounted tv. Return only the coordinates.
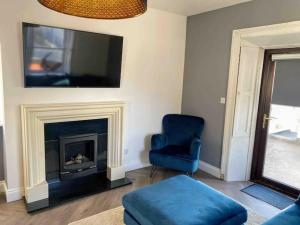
(56, 57)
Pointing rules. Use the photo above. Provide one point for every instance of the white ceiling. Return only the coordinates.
(192, 7)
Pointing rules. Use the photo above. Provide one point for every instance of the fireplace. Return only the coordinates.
(47, 130)
(78, 155)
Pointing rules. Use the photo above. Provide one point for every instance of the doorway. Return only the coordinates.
(238, 138)
(276, 155)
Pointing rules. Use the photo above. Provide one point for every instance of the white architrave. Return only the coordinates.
(35, 116)
(239, 135)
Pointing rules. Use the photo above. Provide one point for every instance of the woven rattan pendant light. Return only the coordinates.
(98, 9)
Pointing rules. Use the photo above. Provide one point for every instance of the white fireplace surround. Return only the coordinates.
(35, 116)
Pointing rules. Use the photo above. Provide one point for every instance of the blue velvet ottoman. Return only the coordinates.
(181, 200)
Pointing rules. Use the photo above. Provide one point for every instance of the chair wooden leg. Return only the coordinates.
(153, 169)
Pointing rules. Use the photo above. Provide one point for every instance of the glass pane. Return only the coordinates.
(282, 161)
(45, 61)
(46, 37)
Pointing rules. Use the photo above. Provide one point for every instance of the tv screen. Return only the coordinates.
(56, 57)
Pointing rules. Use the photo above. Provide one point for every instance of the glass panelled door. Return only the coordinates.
(282, 160)
(276, 160)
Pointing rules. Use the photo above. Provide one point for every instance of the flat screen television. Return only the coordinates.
(56, 57)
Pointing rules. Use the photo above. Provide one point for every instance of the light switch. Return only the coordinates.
(223, 100)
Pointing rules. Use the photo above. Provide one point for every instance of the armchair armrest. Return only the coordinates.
(158, 141)
(195, 148)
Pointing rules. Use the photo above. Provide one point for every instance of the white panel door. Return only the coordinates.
(249, 70)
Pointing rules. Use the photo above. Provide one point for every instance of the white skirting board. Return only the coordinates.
(136, 166)
(14, 194)
(212, 170)
(11, 194)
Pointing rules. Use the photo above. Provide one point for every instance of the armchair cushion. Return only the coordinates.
(174, 157)
(175, 151)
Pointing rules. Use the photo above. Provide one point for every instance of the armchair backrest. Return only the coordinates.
(181, 129)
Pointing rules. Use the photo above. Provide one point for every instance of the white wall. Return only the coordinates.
(152, 75)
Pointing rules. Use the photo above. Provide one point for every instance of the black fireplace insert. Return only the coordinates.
(78, 155)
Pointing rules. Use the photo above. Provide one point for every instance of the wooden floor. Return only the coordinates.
(15, 213)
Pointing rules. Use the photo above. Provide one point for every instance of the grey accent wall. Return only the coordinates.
(1, 155)
(286, 84)
(207, 61)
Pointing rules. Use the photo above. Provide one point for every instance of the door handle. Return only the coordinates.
(266, 119)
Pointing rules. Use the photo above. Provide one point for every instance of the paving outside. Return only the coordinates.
(282, 161)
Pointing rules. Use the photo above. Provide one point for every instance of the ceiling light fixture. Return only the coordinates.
(98, 9)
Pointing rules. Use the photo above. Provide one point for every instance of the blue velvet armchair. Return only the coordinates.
(178, 147)
(289, 216)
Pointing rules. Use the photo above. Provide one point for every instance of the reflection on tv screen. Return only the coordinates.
(56, 57)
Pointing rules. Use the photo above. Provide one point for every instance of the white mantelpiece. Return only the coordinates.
(35, 116)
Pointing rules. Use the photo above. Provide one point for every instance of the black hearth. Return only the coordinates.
(78, 155)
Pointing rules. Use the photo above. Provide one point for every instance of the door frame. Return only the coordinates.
(278, 36)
